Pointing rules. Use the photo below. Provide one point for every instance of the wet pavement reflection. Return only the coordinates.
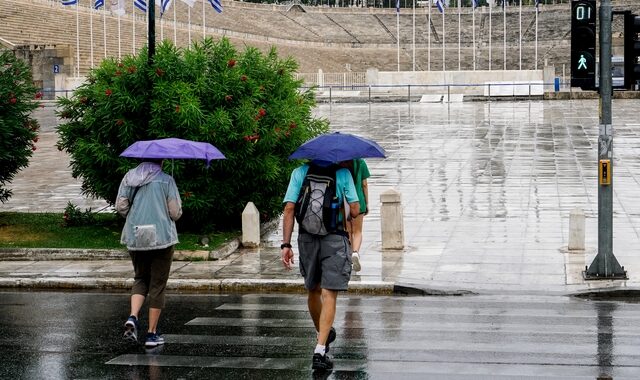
(60, 335)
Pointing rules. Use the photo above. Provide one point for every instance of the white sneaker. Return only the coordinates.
(355, 260)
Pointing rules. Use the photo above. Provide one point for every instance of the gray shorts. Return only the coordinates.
(325, 260)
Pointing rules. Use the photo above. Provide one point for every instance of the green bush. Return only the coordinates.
(18, 131)
(247, 104)
(74, 217)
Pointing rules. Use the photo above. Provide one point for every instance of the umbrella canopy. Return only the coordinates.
(173, 148)
(336, 147)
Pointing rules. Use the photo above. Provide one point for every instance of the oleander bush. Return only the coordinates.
(246, 103)
(18, 130)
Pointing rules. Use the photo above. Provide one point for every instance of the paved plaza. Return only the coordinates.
(487, 188)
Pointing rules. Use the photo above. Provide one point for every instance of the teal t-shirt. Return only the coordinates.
(344, 185)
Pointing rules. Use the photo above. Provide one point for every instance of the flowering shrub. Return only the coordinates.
(73, 216)
(18, 131)
(247, 104)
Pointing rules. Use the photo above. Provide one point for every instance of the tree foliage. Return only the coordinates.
(18, 131)
(247, 104)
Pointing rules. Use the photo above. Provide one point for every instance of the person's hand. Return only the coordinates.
(287, 258)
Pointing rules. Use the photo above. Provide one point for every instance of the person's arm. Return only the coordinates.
(122, 201)
(174, 203)
(365, 190)
(287, 231)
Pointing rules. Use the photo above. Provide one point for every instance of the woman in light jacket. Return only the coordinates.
(150, 201)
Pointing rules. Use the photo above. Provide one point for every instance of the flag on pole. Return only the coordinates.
(117, 7)
(440, 5)
(140, 4)
(69, 2)
(476, 3)
(217, 5)
(164, 4)
(190, 3)
(537, 4)
(397, 6)
(98, 4)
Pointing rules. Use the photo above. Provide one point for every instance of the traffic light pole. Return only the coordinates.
(151, 9)
(605, 266)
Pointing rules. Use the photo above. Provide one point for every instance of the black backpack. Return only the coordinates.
(317, 209)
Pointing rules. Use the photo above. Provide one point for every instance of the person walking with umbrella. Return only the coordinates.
(316, 197)
(148, 198)
(360, 172)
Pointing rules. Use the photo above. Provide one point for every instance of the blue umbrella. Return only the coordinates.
(336, 147)
(173, 148)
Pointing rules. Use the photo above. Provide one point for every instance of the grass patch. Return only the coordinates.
(47, 230)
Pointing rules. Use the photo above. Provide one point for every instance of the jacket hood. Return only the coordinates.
(142, 174)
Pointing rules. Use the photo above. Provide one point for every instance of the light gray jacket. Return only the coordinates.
(150, 201)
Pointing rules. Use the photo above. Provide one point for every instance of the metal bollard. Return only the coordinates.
(391, 220)
(250, 226)
(576, 230)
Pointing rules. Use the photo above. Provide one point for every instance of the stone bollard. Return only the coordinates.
(391, 220)
(576, 230)
(250, 226)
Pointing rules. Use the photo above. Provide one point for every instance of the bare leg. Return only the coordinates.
(137, 300)
(154, 317)
(327, 314)
(356, 232)
(314, 303)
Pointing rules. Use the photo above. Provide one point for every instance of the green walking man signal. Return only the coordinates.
(583, 44)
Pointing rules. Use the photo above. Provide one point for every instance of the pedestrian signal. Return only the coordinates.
(631, 50)
(583, 44)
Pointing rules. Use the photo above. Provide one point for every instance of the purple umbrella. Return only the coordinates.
(173, 148)
(336, 147)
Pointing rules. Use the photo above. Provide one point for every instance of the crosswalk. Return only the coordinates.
(468, 337)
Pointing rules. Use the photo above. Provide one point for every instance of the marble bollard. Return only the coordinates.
(391, 220)
(250, 226)
(576, 230)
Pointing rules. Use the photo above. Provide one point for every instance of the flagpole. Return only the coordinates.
(204, 22)
(459, 41)
(104, 29)
(161, 25)
(473, 17)
(520, 35)
(119, 39)
(443, 42)
(490, 12)
(398, 32)
(504, 34)
(537, 11)
(78, 39)
(91, 33)
(175, 30)
(189, 21)
(429, 40)
(414, 35)
(133, 18)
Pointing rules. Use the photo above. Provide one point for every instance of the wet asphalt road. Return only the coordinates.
(57, 335)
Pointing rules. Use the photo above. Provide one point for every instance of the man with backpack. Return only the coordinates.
(321, 196)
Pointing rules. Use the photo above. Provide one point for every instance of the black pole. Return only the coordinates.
(151, 9)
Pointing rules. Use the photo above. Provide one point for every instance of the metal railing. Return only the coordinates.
(439, 92)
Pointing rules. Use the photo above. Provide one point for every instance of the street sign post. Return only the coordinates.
(605, 266)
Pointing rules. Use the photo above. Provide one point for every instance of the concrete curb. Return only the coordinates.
(43, 254)
(229, 285)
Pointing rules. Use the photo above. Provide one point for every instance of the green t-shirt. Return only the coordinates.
(360, 173)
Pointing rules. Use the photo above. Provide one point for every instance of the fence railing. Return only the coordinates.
(413, 92)
(438, 92)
